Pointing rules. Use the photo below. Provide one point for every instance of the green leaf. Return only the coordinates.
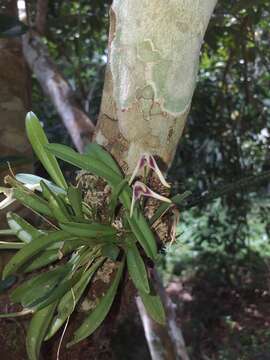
(75, 199)
(91, 230)
(110, 251)
(154, 306)
(23, 230)
(138, 223)
(67, 304)
(10, 245)
(139, 226)
(34, 179)
(32, 201)
(177, 199)
(7, 232)
(38, 286)
(10, 26)
(96, 151)
(143, 234)
(136, 267)
(32, 249)
(53, 253)
(57, 293)
(86, 162)
(45, 258)
(38, 140)
(115, 195)
(96, 317)
(37, 330)
(56, 204)
(16, 314)
(7, 283)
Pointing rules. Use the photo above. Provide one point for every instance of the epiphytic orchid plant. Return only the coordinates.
(74, 244)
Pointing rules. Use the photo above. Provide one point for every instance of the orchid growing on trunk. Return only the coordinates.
(80, 238)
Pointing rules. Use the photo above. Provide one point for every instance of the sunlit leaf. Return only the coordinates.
(136, 267)
(91, 230)
(38, 140)
(154, 306)
(23, 230)
(32, 249)
(85, 162)
(37, 330)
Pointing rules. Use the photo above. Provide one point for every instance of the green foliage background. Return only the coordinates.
(227, 136)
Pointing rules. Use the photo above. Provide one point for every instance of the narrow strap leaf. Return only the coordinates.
(38, 139)
(70, 299)
(154, 306)
(75, 199)
(96, 317)
(136, 267)
(88, 163)
(104, 156)
(139, 226)
(177, 199)
(32, 201)
(37, 330)
(7, 232)
(89, 230)
(16, 314)
(23, 230)
(38, 286)
(56, 205)
(10, 245)
(32, 249)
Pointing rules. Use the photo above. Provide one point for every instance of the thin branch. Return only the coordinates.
(41, 16)
(164, 342)
(77, 123)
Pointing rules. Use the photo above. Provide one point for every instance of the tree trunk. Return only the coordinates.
(14, 146)
(154, 49)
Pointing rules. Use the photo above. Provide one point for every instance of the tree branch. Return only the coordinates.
(41, 16)
(57, 88)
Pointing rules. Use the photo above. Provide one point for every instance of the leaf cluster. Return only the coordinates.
(61, 260)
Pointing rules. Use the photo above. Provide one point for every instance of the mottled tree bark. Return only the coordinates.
(154, 49)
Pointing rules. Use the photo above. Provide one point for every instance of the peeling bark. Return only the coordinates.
(77, 123)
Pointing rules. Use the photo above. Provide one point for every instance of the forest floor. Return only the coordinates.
(225, 317)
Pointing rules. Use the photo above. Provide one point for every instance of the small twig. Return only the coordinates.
(41, 16)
